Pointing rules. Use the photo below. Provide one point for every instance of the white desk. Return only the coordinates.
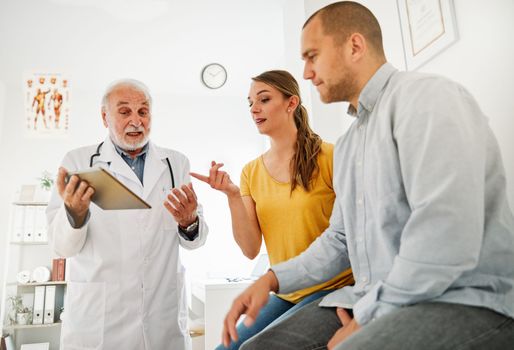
(212, 298)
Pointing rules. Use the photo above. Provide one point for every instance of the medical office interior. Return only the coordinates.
(166, 44)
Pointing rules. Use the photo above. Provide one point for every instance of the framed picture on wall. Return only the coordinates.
(47, 102)
(428, 28)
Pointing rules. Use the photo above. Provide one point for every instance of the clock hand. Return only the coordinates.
(218, 72)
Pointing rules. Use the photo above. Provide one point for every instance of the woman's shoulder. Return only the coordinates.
(253, 165)
(327, 148)
(327, 152)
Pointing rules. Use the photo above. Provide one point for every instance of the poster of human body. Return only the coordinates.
(46, 104)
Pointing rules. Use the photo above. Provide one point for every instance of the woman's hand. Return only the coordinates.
(219, 180)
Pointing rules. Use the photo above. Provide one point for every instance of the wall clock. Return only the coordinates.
(214, 75)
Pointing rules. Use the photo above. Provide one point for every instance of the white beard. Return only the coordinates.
(120, 141)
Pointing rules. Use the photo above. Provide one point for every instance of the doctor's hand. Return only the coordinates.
(250, 302)
(182, 205)
(219, 180)
(76, 195)
(350, 326)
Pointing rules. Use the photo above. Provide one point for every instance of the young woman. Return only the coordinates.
(286, 194)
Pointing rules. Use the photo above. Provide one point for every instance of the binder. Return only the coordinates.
(18, 223)
(30, 218)
(40, 225)
(54, 296)
(39, 304)
(49, 304)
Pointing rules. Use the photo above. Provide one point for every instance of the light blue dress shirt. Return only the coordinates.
(137, 164)
(421, 212)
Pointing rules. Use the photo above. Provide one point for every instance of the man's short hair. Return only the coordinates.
(341, 19)
(133, 83)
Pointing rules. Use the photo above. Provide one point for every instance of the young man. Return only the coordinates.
(421, 213)
(125, 280)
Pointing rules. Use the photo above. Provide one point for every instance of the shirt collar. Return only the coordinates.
(369, 94)
(122, 152)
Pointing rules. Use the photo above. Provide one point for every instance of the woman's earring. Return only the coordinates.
(288, 110)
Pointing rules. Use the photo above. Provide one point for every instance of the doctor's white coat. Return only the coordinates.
(125, 280)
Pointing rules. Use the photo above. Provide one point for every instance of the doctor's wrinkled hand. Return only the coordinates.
(250, 302)
(76, 195)
(182, 205)
(219, 180)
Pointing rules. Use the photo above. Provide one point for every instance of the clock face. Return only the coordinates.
(214, 76)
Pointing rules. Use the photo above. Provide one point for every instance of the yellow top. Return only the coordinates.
(291, 222)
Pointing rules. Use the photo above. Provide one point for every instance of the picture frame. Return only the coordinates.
(428, 27)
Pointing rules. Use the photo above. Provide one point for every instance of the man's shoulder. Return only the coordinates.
(412, 82)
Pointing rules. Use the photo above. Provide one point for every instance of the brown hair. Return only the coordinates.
(341, 19)
(304, 164)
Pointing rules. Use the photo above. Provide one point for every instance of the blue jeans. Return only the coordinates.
(275, 311)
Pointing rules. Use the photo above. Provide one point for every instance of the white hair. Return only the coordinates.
(133, 83)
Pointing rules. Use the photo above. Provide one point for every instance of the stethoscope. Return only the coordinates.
(97, 154)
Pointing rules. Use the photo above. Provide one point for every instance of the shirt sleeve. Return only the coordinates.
(244, 187)
(441, 142)
(71, 220)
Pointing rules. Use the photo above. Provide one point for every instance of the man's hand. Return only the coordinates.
(350, 326)
(219, 180)
(250, 302)
(182, 205)
(76, 195)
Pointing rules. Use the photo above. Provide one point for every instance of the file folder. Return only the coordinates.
(18, 224)
(40, 225)
(53, 303)
(49, 304)
(39, 304)
(30, 220)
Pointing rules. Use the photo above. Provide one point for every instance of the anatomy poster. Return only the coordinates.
(47, 102)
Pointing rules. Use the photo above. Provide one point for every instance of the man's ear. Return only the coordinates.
(104, 117)
(358, 45)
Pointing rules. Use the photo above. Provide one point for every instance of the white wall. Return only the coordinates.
(481, 60)
(165, 44)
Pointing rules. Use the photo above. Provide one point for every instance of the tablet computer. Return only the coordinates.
(110, 193)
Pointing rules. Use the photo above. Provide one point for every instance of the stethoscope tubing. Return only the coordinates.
(97, 154)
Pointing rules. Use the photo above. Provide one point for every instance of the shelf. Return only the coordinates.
(29, 243)
(34, 284)
(35, 204)
(32, 326)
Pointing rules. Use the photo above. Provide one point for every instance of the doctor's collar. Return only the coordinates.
(123, 152)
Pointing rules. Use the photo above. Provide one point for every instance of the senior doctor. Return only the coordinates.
(125, 280)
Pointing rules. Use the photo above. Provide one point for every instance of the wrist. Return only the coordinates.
(272, 281)
(185, 224)
(233, 194)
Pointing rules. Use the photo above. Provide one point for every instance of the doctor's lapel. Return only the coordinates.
(118, 167)
(154, 168)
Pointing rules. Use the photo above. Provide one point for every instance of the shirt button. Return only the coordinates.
(364, 279)
(359, 239)
(133, 168)
(359, 201)
(359, 163)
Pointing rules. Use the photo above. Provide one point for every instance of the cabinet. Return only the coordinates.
(212, 299)
(26, 249)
